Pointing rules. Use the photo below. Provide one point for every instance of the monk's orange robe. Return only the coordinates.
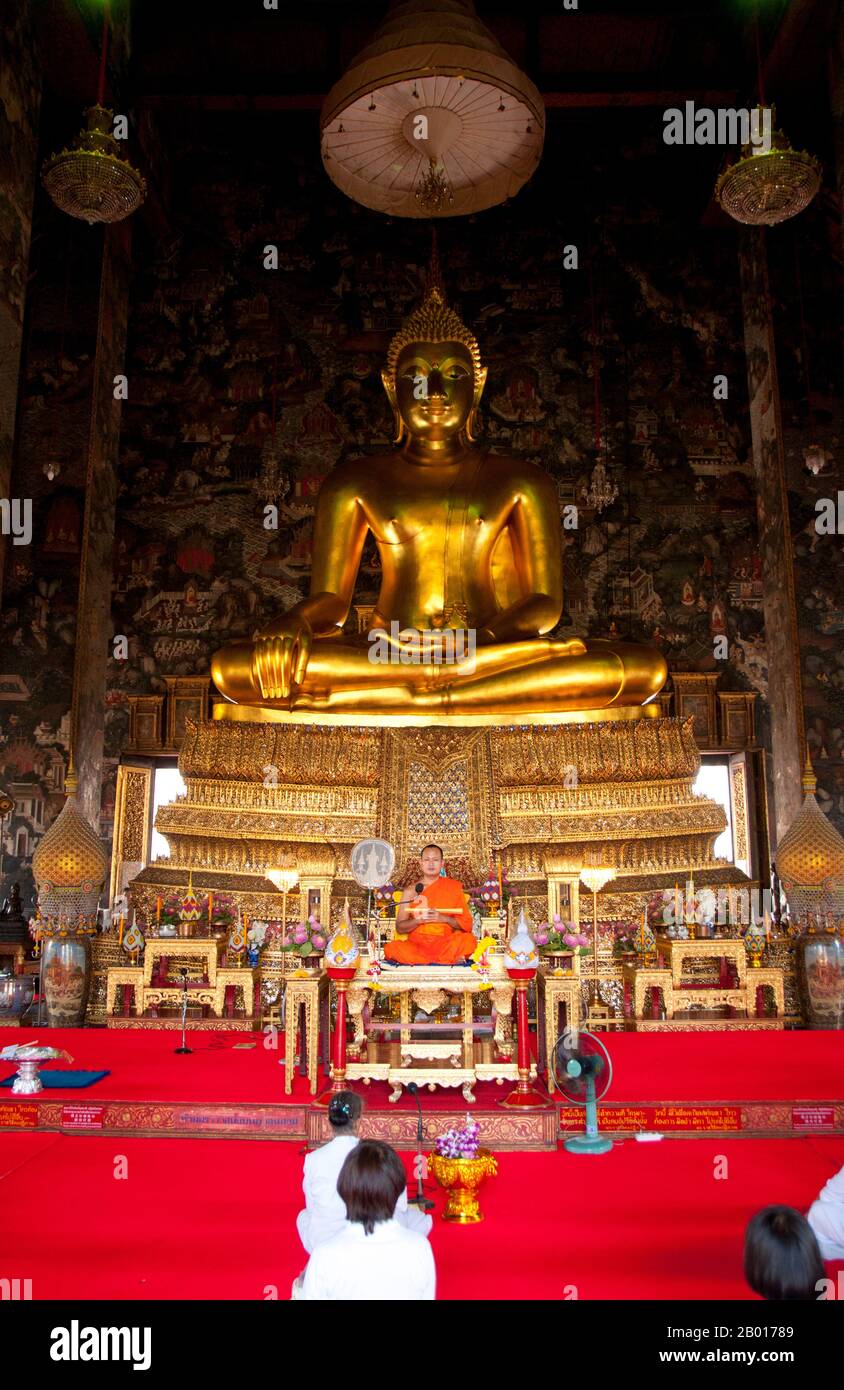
(436, 943)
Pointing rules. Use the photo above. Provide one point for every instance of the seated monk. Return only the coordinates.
(427, 934)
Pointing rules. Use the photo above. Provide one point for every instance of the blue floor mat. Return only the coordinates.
(64, 1080)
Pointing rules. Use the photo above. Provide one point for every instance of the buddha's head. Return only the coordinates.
(433, 377)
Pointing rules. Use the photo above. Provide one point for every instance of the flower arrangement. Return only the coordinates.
(223, 910)
(256, 936)
(560, 936)
(305, 938)
(624, 944)
(170, 910)
(460, 1143)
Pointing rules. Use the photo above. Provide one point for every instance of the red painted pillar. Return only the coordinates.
(524, 1096)
(341, 980)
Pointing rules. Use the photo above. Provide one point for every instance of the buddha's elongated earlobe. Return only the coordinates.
(400, 428)
(472, 422)
(388, 382)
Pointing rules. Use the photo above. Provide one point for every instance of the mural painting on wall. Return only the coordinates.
(811, 365)
(41, 581)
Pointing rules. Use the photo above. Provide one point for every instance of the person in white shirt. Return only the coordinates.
(373, 1257)
(826, 1218)
(325, 1215)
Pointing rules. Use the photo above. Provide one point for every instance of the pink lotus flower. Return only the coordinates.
(300, 936)
(318, 941)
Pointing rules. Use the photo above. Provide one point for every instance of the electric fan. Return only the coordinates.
(581, 1064)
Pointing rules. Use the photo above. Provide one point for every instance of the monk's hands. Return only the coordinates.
(281, 655)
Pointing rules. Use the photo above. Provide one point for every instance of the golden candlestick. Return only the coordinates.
(285, 877)
(595, 877)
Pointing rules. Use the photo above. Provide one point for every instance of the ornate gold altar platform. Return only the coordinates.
(537, 795)
(459, 1061)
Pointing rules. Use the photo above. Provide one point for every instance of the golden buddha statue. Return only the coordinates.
(469, 540)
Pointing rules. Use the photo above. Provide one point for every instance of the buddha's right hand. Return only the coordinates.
(281, 655)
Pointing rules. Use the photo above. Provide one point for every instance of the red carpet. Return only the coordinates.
(662, 1067)
(197, 1220)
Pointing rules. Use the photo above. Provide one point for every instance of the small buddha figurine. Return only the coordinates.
(469, 541)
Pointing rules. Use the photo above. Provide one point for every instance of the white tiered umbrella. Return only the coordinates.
(432, 118)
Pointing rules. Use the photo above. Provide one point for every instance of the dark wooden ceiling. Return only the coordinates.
(607, 52)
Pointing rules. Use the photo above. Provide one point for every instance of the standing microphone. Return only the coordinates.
(420, 1200)
(184, 1047)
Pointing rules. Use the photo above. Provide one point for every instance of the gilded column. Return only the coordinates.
(785, 695)
(93, 623)
(20, 101)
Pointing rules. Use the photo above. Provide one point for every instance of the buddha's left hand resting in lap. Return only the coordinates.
(467, 540)
(427, 932)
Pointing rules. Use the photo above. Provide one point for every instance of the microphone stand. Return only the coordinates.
(420, 1200)
(184, 1047)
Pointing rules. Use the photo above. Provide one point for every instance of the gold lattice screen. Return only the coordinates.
(437, 786)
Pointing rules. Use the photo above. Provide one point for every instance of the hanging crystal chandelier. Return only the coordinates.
(602, 491)
(768, 185)
(89, 180)
(434, 189)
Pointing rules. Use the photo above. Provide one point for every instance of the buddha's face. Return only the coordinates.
(434, 389)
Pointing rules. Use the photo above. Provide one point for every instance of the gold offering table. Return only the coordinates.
(202, 957)
(307, 995)
(675, 952)
(556, 988)
(666, 975)
(458, 1061)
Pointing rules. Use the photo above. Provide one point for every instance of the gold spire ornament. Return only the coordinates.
(765, 186)
(69, 863)
(432, 118)
(810, 857)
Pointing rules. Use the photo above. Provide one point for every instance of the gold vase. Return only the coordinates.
(461, 1178)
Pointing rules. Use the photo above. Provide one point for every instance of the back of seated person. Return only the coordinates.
(325, 1214)
(374, 1257)
(826, 1218)
(782, 1261)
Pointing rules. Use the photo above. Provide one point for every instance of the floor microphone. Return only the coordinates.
(420, 1200)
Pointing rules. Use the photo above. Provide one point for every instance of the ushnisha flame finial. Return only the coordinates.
(433, 322)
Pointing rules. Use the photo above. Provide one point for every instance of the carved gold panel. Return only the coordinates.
(132, 813)
(738, 718)
(187, 699)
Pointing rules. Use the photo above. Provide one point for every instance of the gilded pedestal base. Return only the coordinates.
(534, 794)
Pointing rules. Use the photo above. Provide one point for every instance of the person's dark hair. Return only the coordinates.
(344, 1110)
(782, 1261)
(436, 847)
(371, 1182)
